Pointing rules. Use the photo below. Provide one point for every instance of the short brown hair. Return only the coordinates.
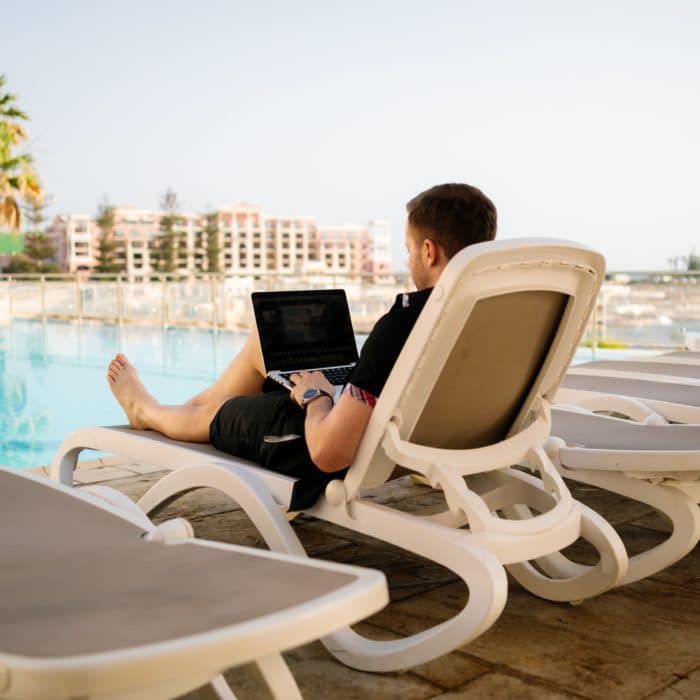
(453, 215)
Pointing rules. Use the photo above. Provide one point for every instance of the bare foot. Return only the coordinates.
(128, 390)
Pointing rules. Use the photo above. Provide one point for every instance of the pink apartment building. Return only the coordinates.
(250, 241)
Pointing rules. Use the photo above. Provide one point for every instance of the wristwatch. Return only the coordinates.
(311, 395)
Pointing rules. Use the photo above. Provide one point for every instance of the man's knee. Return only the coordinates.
(253, 352)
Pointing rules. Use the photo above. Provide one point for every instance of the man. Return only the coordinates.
(312, 437)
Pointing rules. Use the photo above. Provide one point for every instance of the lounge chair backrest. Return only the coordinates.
(496, 335)
(497, 357)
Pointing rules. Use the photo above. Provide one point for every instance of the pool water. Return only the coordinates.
(53, 377)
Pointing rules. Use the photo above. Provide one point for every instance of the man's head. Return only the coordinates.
(442, 221)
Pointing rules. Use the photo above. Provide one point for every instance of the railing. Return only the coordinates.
(204, 300)
(647, 308)
(639, 309)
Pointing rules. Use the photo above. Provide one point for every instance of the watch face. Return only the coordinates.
(310, 394)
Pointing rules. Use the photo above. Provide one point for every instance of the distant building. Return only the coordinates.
(250, 241)
(71, 237)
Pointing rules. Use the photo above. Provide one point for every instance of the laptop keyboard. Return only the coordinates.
(335, 375)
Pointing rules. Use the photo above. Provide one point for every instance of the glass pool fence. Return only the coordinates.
(635, 310)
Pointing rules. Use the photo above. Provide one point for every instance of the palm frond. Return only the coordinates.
(10, 213)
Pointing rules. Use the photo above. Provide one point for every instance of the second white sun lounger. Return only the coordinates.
(656, 464)
(655, 366)
(97, 602)
(676, 398)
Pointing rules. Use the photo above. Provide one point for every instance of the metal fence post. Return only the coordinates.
(78, 299)
(42, 284)
(164, 300)
(120, 301)
(9, 297)
(213, 285)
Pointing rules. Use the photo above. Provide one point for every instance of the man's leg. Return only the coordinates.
(190, 422)
(244, 375)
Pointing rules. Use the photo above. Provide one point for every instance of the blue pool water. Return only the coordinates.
(52, 377)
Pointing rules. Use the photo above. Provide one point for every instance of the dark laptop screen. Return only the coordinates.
(305, 329)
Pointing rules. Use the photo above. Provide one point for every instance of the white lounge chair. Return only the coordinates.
(97, 602)
(640, 457)
(675, 398)
(681, 356)
(655, 366)
(468, 398)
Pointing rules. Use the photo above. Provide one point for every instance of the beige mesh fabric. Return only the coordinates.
(491, 370)
(601, 433)
(671, 368)
(76, 579)
(638, 388)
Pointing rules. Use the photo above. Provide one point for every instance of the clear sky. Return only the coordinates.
(580, 120)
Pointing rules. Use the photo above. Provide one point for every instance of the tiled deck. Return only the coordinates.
(640, 641)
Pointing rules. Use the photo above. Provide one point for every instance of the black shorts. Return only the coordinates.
(241, 426)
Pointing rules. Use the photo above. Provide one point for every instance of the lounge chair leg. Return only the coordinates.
(477, 567)
(254, 499)
(278, 677)
(680, 508)
(217, 689)
(555, 577)
(558, 578)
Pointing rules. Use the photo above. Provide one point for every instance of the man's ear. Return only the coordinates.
(431, 252)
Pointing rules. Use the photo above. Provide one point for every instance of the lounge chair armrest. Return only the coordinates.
(624, 405)
(513, 450)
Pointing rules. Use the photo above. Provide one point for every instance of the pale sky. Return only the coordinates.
(581, 120)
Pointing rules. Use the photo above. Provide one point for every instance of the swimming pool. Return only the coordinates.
(52, 377)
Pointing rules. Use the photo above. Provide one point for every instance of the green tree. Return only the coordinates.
(37, 246)
(165, 251)
(18, 179)
(211, 232)
(106, 246)
(693, 262)
(20, 264)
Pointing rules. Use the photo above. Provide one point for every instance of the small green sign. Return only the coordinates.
(11, 243)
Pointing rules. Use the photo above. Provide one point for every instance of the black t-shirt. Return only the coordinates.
(384, 343)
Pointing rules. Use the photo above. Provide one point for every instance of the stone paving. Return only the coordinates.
(640, 641)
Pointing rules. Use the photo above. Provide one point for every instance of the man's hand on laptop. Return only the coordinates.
(303, 381)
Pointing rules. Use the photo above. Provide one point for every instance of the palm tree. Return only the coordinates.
(18, 179)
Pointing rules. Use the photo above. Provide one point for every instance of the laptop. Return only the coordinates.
(308, 330)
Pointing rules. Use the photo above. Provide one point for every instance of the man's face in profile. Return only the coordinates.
(415, 263)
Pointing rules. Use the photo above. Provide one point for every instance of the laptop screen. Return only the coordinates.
(304, 329)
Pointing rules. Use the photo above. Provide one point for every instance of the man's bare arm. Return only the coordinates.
(333, 432)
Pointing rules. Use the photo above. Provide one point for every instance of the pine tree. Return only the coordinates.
(37, 247)
(211, 231)
(107, 245)
(165, 251)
